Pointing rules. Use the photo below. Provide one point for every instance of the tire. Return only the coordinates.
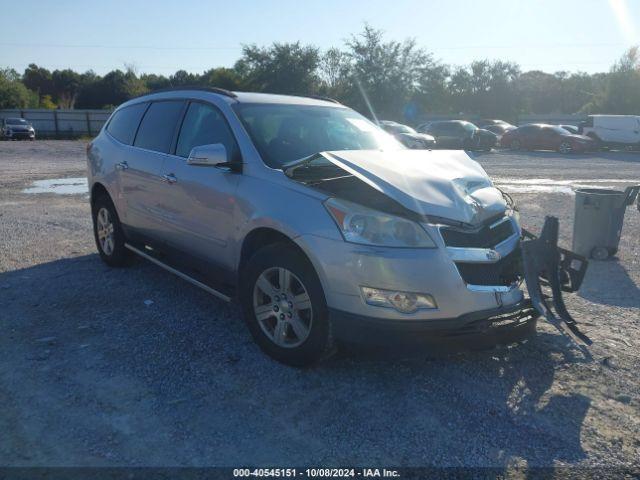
(108, 233)
(565, 147)
(515, 145)
(280, 331)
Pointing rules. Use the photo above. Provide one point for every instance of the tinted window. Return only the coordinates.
(448, 128)
(124, 123)
(203, 125)
(436, 128)
(158, 126)
(527, 130)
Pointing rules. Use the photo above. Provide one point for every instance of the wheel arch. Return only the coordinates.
(98, 189)
(263, 236)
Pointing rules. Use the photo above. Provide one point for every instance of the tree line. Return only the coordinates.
(389, 79)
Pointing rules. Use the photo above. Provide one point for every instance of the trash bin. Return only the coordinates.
(598, 220)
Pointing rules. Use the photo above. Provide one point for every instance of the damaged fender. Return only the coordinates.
(547, 265)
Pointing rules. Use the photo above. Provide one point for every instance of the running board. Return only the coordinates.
(180, 274)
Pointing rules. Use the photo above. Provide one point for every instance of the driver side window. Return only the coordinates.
(204, 124)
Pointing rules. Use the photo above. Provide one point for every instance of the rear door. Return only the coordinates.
(530, 137)
(446, 135)
(199, 203)
(142, 179)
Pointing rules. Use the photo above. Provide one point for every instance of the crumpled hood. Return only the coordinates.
(439, 183)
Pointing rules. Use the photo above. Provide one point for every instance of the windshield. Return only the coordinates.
(398, 128)
(283, 133)
(16, 121)
(468, 126)
(559, 130)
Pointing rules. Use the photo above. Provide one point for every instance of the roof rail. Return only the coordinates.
(220, 91)
(326, 99)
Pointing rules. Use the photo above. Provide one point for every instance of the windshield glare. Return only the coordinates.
(468, 126)
(283, 133)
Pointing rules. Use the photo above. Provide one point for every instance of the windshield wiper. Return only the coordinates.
(290, 167)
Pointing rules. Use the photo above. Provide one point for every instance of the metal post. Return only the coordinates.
(88, 122)
(55, 121)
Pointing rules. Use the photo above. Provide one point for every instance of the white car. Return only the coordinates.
(613, 130)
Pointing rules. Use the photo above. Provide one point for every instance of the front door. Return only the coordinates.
(199, 201)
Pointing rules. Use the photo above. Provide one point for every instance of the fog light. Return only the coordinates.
(405, 302)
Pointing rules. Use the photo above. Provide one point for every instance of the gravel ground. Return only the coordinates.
(121, 367)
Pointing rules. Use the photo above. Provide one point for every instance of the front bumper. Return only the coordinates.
(463, 308)
(486, 328)
(20, 135)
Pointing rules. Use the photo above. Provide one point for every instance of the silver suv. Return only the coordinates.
(322, 225)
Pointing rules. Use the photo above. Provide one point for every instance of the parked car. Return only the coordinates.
(499, 128)
(459, 134)
(407, 135)
(16, 129)
(322, 225)
(614, 131)
(539, 136)
(571, 129)
(484, 123)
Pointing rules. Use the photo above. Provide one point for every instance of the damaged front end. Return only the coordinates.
(479, 233)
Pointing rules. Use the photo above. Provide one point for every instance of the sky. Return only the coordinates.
(163, 36)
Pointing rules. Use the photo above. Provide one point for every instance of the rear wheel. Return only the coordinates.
(284, 306)
(108, 233)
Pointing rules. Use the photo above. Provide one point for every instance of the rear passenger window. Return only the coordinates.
(158, 126)
(203, 125)
(124, 123)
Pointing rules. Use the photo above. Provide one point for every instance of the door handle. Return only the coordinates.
(169, 178)
(122, 166)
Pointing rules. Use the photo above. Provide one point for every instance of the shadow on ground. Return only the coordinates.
(608, 282)
(103, 366)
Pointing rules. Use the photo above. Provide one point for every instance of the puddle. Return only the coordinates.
(61, 186)
(548, 185)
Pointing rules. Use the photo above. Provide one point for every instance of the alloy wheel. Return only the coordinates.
(282, 307)
(104, 227)
(565, 147)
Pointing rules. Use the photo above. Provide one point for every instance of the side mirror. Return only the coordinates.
(213, 155)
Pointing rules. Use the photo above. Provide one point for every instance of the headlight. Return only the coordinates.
(362, 225)
(404, 302)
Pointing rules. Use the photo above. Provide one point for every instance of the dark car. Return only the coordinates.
(499, 128)
(407, 135)
(485, 122)
(16, 129)
(545, 137)
(459, 134)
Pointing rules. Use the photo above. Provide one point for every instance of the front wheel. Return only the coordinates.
(565, 147)
(516, 145)
(284, 306)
